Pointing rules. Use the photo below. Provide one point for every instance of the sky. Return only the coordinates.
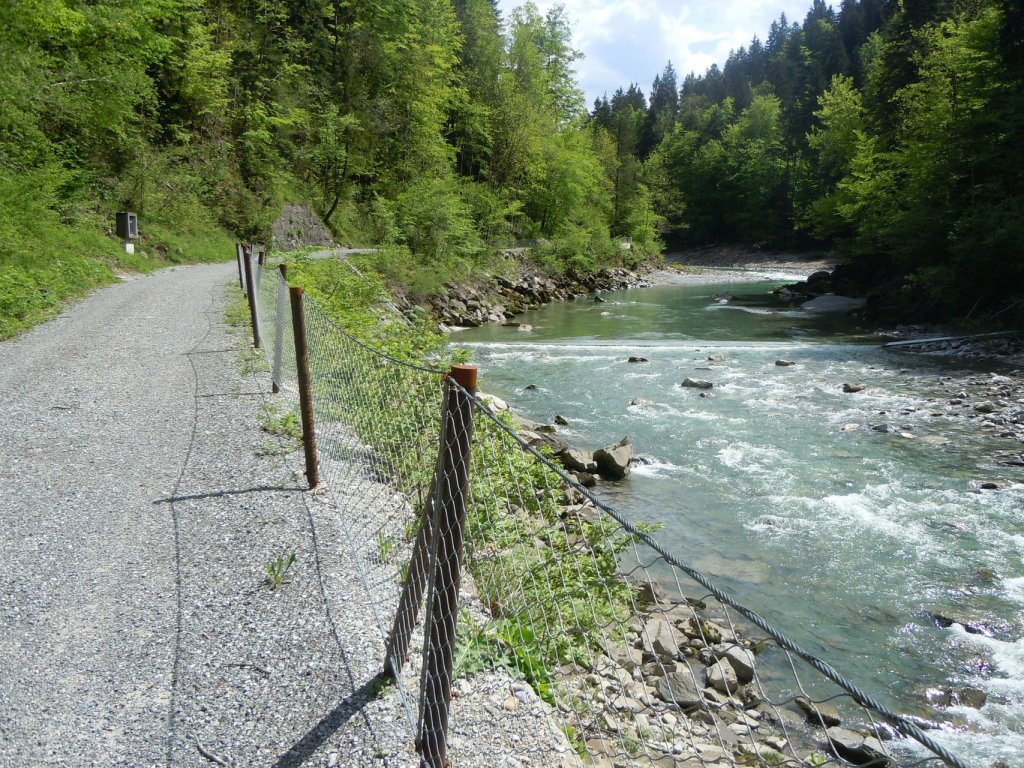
(629, 41)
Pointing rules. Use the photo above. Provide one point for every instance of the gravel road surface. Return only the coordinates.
(139, 504)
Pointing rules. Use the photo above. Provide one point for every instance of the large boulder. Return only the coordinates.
(613, 460)
(722, 677)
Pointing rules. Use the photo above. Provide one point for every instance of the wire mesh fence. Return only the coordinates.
(566, 634)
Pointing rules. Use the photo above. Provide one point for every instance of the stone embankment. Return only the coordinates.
(500, 298)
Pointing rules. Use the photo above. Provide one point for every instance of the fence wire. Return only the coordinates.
(574, 637)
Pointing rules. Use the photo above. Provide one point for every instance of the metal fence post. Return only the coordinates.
(452, 481)
(251, 293)
(275, 368)
(305, 386)
(238, 258)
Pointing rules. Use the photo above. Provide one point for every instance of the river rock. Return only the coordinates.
(659, 639)
(585, 479)
(697, 383)
(681, 689)
(985, 407)
(561, 421)
(856, 748)
(637, 359)
(576, 460)
(739, 658)
(722, 677)
(818, 713)
(971, 625)
(785, 363)
(831, 303)
(964, 697)
(851, 388)
(494, 402)
(613, 460)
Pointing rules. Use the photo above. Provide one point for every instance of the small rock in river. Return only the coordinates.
(985, 407)
(637, 359)
(849, 427)
(561, 421)
(851, 388)
(785, 363)
(697, 383)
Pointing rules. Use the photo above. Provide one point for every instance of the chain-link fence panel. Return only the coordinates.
(553, 631)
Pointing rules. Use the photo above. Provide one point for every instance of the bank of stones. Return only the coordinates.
(499, 298)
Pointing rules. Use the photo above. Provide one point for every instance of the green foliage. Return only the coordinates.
(277, 569)
(282, 424)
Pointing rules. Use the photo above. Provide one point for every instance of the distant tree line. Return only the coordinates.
(433, 125)
(889, 130)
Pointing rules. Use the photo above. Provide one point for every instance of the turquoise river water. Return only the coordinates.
(846, 538)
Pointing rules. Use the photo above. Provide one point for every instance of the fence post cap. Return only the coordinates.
(465, 375)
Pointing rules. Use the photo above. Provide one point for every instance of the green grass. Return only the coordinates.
(48, 258)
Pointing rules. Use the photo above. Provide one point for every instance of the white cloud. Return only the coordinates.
(628, 41)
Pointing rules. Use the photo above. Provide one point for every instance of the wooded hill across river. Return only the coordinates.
(890, 132)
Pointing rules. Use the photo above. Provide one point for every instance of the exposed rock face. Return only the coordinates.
(297, 227)
(613, 460)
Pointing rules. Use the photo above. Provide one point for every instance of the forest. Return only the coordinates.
(888, 132)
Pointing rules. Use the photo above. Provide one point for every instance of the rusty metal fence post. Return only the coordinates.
(251, 294)
(451, 483)
(241, 274)
(305, 386)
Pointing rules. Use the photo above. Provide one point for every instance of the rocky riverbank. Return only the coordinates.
(498, 298)
(682, 682)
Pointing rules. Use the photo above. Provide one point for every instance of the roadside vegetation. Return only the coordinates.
(889, 133)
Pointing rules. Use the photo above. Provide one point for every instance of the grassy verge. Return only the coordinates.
(48, 258)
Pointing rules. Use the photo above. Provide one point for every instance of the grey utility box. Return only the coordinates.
(127, 226)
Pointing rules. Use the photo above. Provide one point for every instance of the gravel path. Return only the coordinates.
(141, 502)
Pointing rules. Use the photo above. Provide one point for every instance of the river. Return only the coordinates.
(776, 484)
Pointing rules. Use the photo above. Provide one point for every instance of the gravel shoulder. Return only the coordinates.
(141, 504)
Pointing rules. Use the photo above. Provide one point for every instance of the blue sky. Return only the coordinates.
(628, 41)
